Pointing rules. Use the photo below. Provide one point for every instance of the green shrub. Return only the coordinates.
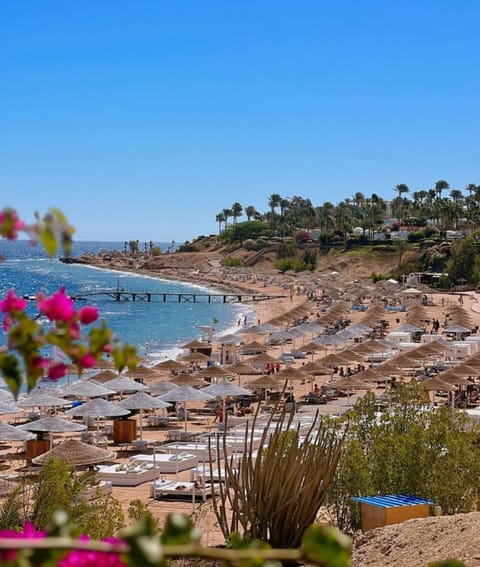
(187, 247)
(287, 249)
(232, 262)
(295, 264)
(156, 251)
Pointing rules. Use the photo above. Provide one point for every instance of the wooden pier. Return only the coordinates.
(169, 297)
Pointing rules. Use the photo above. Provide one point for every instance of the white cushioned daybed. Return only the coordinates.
(168, 462)
(200, 450)
(178, 489)
(131, 474)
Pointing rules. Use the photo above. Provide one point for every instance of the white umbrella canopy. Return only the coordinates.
(8, 407)
(85, 389)
(142, 401)
(11, 433)
(125, 385)
(186, 394)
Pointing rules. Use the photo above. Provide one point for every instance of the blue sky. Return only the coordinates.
(143, 119)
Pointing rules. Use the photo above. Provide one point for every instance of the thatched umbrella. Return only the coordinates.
(52, 425)
(141, 372)
(172, 365)
(103, 376)
(124, 385)
(290, 373)
(195, 357)
(315, 369)
(188, 380)
(11, 433)
(222, 390)
(103, 364)
(98, 408)
(263, 359)
(76, 454)
(186, 394)
(86, 389)
(196, 344)
(142, 401)
(252, 347)
(350, 384)
(162, 386)
(265, 383)
(39, 399)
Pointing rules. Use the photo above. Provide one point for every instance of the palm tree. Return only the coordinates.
(250, 211)
(237, 211)
(400, 189)
(220, 218)
(456, 195)
(440, 185)
(274, 202)
(227, 213)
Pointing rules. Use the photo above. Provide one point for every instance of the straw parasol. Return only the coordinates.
(162, 386)
(188, 380)
(141, 372)
(266, 383)
(350, 384)
(263, 359)
(172, 365)
(142, 401)
(11, 433)
(103, 364)
(122, 384)
(241, 368)
(76, 454)
(186, 394)
(253, 346)
(103, 376)
(98, 408)
(196, 344)
(290, 373)
(86, 389)
(316, 369)
(195, 357)
(40, 399)
(52, 425)
(223, 389)
(213, 372)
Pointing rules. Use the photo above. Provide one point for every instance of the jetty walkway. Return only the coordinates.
(183, 297)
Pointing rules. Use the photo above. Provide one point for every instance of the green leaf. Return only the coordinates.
(326, 544)
(11, 372)
(48, 240)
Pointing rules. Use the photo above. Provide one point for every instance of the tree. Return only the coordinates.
(464, 262)
(250, 211)
(220, 218)
(227, 213)
(440, 185)
(273, 202)
(237, 211)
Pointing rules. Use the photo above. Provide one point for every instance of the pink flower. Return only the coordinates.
(57, 370)
(12, 303)
(87, 361)
(8, 321)
(84, 558)
(58, 307)
(10, 223)
(88, 314)
(29, 532)
(74, 330)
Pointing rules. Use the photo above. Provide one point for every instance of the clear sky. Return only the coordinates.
(143, 119)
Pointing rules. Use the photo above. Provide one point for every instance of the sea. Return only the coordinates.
(156, 329)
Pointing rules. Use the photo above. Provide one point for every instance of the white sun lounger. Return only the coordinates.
(128, 475)
(168, 462)
(189, 490)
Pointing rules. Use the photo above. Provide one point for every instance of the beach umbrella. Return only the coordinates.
(103, 364)
(11, 433)
(76, 454)
(141, 372)
(350, 384)
(265, 383)
(8, 407)
(52, 425)
(125, 385)
(253, 347)
(96, 409)
(315, 369)
(196, 344)
(162, 386)
(103, 376)
(142, 401)
(186, 394)
(188, 380)
(223, 390)
(290, 373)
(172, 365)
(263, 359)
(241, 368)
(212, 372)
(39, 399)
(195, 357)
(86, 389)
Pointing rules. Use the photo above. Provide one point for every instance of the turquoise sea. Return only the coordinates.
(156, 329)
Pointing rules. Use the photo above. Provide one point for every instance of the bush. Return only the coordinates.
(416, 236)
(287, 249)
(156, 251)
(231, 262)
(295, 264)
(187, 247)
(244, 231)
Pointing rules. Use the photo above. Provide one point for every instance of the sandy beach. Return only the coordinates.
(325, 293)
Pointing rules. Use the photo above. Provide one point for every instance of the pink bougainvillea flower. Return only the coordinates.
(12, 303)
(57, 370)
(88, 314)
(8, 321)
(39, 362)
(10, 223)
(29, 532)
(74, 330)
(87, 361)
(57, 307)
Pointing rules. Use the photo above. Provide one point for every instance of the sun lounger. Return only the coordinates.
(131, 474)
(168, 462)
(200, 450)
(103, 488)
(182, 490)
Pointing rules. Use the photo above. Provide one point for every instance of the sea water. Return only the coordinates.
(157, 329)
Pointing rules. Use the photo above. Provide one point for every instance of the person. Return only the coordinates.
(316, 390)
(218, 413)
